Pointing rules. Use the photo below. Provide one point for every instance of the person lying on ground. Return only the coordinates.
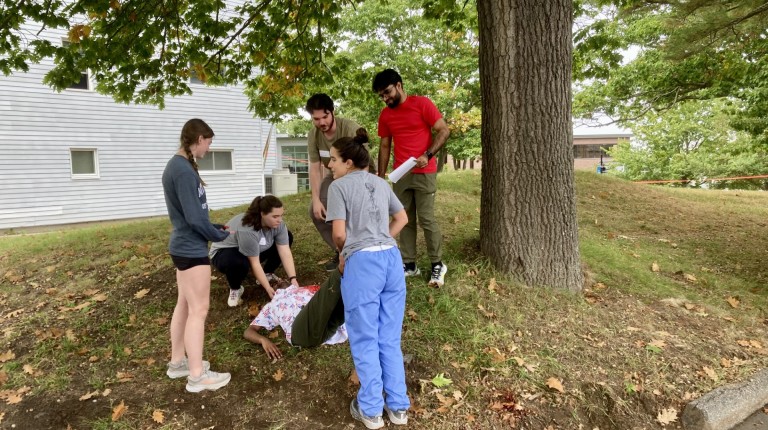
(309, 316)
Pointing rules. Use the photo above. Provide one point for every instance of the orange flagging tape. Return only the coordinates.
(706, 180)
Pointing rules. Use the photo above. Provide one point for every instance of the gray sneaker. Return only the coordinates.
(181, 369)
(209, 380)
(398, 418)
(376, 422)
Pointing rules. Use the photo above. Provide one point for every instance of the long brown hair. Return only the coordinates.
(260, 205)
(190, 133)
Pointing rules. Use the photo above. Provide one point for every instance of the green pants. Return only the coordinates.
(416, 192)
(319, 319)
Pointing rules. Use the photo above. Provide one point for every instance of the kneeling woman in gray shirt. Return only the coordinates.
(260, 242)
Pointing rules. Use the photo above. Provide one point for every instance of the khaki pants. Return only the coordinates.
(416, 192)
(324, 228)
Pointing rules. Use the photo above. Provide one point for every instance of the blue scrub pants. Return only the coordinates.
(373, 290)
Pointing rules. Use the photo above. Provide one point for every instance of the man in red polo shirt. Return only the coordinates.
(407, 123)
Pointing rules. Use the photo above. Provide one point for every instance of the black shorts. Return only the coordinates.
(184, 263)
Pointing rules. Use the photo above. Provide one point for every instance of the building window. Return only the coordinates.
(216, 161)
(84, 82)
(84, 163)
(296, 160)
(590, 151)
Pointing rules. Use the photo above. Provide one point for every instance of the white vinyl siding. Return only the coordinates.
(133, 143)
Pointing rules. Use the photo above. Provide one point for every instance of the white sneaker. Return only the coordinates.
(234, 297)
(209, 380)
(181, 369)
(438, 275)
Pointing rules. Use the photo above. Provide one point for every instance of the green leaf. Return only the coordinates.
(441, 381)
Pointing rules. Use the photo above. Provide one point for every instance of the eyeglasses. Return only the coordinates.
(386, 92)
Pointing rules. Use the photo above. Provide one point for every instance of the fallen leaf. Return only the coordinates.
(486, 313)
(353, 378)
(88, 396)
(7, 356)
(119, 410)
(733, 301)
(124, 376)
(413, 315)
(710, 373)
(278, 376)
(3, 377)
(158, 416)
(690, 278)
(106, 392)
(667, 416)
(441, 381)
(658, 343)
(655, 267)
(726, 363)
(555, 384)
(100, 297)
(273, 334)
(13, 399)
(492, 286)
(141, 293)
(28, 369)
(599, 286)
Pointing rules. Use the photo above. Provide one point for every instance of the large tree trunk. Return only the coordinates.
(528, 203)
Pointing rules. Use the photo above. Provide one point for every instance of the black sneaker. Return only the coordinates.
(332, 264)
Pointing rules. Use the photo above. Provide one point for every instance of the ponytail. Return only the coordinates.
(353, 148)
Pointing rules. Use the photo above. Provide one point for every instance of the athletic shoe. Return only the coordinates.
(208, 380)
(376, 422)
(398, 418)
(332, 264)
(438, 274)
(178, 370)
(234, 297)
(410, 269)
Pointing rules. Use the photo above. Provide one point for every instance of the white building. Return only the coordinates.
(78, 156)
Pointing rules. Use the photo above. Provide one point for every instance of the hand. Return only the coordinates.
(341, 264)
(271, 349)
(295, 282)
(270, 291)
(318, 209)
(422, 161)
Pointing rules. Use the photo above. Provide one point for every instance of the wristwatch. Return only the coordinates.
(429, 155)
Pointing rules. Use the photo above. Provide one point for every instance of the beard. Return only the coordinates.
(395, 101)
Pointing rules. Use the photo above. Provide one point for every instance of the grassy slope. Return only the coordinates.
(637, 341)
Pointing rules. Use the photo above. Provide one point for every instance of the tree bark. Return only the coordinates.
(528, 204)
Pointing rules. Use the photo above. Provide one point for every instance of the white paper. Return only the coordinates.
(404, 168)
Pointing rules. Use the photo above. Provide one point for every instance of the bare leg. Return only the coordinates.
(178, 323)
(194, 291)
